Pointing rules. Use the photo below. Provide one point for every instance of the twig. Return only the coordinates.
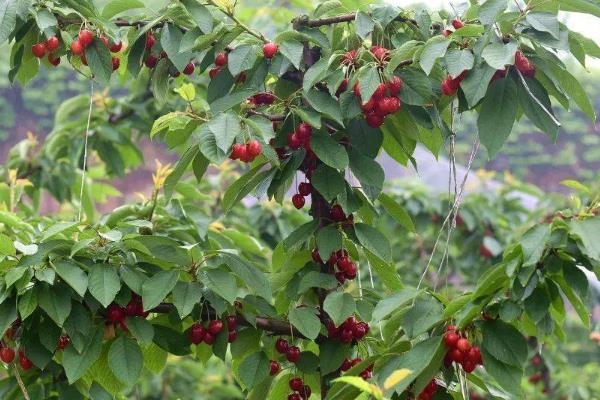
(239, 23)
(304, 21)
(85, 150)
(539, 103)
(20, 382)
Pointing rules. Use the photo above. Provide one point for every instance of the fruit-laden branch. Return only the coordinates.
(266, 324)
(304, 21)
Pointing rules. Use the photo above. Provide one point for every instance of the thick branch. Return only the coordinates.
(304, 21)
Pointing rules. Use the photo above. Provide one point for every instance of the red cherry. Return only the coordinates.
(293, 141)
(424, 396)
(150, 40)
(298, 200)
(394, 85)
(232, 336)
(116, 63)
(316, 256)
(536, 360)
(296, 384)
(379, 92)
(359, 331)
(449, 86)
(304, 131)
(231, 322)
(356, 361)
(337, 213)
(463, 345)
(349, 57)
(431, 388)
(293, 354)
(356, 89)
(24, 361)
(115, 313)
(214, 72)
(343, 263)
(151, 60)
(457, 23)
(215, 326)
(116, 47)
(53, 60)
(275, 368)
(342, 88)
(450, 328)
(253, 148)
(269, 50)
(237, 150)
(456, 355)
(221, 59)
(393, 104)
(52, 43)
(474, 355)
(447, 32)
(163, 54)
(450, 339)
(468, 366)
(374, 120)
(369, 105)
(366, 375)
(305, 392)
(304, 188)
(381, 107)
(535, 378)
(209, 338)
(63, 341)
(346, 365)
(351, 271)
(7, 355)
(197, 333)
(294, 396)
(346, 336)
(86, 37)
(341, 277)
(523, 65)
(189, 69)
(76, 47)
(39, 50)
(282, 346)
(104, 40)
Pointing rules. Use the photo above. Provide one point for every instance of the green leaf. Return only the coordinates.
(300, 235)
(317, 280)
(504, 342)
(242, 58)
(8, 18)
(498, 55)
(185, 296)
(249, 274)
(508, 376)
(225, 127)
(56, 302)
(254, 369)
(208, 145)
(8, 314)
(200, 14)
(339, 306)
(7, 248)
(458, 61)
(28, 302)
(580, 6)
(221, 282)
(491, 10)
(315, 74)
(157, 287)
(182, 165)
(469, 30)
(575, 91)
(385, 271)
(544, 22)
(241, 187)
(324, 103)
(536, 114)
(434, 48)
(104, 283)
(397, 212)
(99, 60)
(116, 7)
(368, 81)
(328, 181)
(575, 301)
(587, 232)
(328, 240)
(141, 329)
(73, 275)
(187, 91)
(374, 241)
(292, 50)
(76, 364)
(306, 321)
(424, 313)
(329, 150)
(497, 114)
(368, 172)
(363, 24)
(392, 303)
(160, 81)
(125, 360)
(533, 243)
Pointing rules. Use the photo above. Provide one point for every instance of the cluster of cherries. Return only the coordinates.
(347, 269)
(245, 152)
(40, 49)
(301, 391)
(262, 99)
(351, 329)
(456, 24)
(198, 333)
(366, 374)
(383, 102)
(304, 190)
(451, 85)
(461, 351)
(269, 51)
(116, 314)
(7, 355)
(429, 391)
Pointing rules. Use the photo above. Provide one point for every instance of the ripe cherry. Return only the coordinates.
(379, 92)
(463, 345)
(115, 313)
(304, 188)
(457, 23)
(296, 384)
(468, 366)
(231, 336)
(298, 201)
(341, 277)
(55, 61)
(221, 59)
(116, 63)
(337, 213)
(450, 328)
(24, 361)
(351, 271)
(104, 40)
(447, 32)
(76, 47)
(214, 72)
(282, 345)
(39, 50)
(269, 50)
(346, 365)
(197, 333)
(63, 341)
(316, 256)
(189, 69)
(86, 37)
(359, 331)
(294, 396)
(293, 354)
(394, 85)
(215, 326)
(116, 47)
(374, 120)
(294, 141)
(304, 131)
(151, 60)
(275, 368)
(7, 355)
(52, 43)
(450, 339)
(253, 148)
(150, 40)
(474, 355)
(342, 88)
(238, 151)
(209, 338)
(231, 322)
(456, 355)
(305, 392)
(346, 335)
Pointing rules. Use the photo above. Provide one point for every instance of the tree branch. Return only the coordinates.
(304, 21)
